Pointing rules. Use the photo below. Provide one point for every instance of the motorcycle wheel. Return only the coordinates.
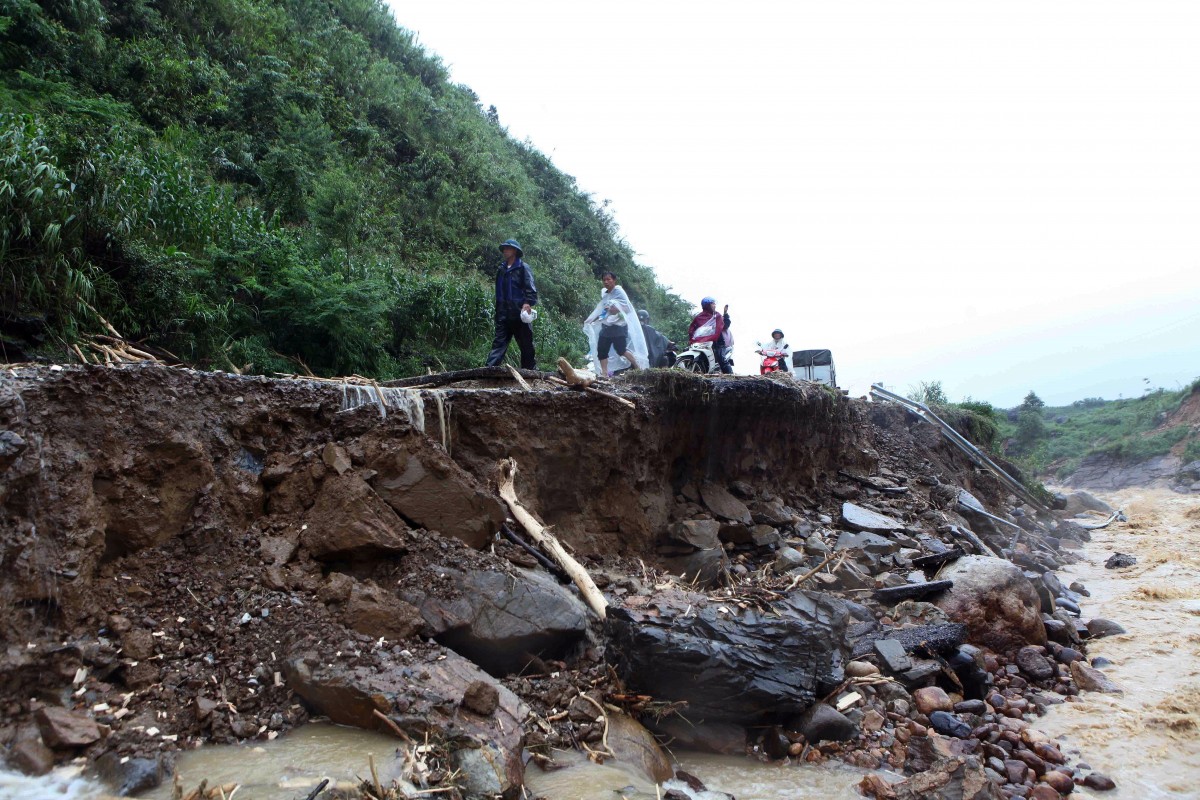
(691, 364)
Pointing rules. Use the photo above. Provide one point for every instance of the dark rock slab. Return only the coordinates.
(935, 560)
(496, 618)
(822, 723)
(893, 654)
(857, 518)
(928, 640)
(702, 534)
(948, 724)
(721, 502)
(730, 664)
(912, 591)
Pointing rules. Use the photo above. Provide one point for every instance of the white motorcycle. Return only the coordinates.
(699, 358)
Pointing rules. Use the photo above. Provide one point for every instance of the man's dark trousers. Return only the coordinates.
(508, 327)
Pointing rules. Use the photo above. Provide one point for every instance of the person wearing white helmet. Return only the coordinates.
(777, 344)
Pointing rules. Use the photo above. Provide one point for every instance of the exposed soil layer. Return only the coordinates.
(180, 546)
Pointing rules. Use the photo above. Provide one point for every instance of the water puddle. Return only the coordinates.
(743, 778)
(1148, 739)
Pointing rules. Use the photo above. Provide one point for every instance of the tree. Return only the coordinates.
(930, 393)
(1032, 402)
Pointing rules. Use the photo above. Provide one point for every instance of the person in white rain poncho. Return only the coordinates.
(614, 332)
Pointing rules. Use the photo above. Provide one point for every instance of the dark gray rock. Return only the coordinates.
(949, 725)
(788, 559)
(701, 567)
(976, 707)
(893, 655)
(1119, 561)
(703, 534)
(133, 775)
(857, 518)
(496, 618)
(928, 640)
(764, 536)
(1067, 605)
(1098, 628)
(724, 505)
(868, 542)
(731, 664)
(822, 723)
(1034, 663)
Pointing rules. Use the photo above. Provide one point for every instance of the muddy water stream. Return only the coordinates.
(1148, 739)
(288, 767)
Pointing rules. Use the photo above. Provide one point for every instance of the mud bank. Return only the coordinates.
(203, 558)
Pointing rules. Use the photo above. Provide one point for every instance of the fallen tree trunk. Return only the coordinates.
(538, 532)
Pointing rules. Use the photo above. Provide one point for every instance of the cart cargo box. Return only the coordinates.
(815, 366)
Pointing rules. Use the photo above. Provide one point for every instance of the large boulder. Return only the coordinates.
(497, 619)
(1078, 502)
(424, 696)
(996, 602)
(349, 521)
(730, 664)
(428, 489)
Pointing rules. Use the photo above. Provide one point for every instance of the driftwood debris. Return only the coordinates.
(912, 591)
(538, 532)
(935, 560)
(969, 535)
(577, 381)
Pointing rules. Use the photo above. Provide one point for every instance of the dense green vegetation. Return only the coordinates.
(269, 182)
(1040, 439)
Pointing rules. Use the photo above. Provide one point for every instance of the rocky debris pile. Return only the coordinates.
(212, 558)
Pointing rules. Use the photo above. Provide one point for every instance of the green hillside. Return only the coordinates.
(269, 182)
(1053, 440)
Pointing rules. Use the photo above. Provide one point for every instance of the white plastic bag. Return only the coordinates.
(528, 316)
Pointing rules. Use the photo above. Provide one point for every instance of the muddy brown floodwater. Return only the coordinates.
(1148, 739)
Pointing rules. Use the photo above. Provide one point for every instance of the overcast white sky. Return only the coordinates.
(1002, 196)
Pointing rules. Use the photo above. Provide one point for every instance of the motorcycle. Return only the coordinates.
(773, 360)
(698, 358)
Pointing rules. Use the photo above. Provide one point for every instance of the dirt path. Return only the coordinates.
(1147, 740)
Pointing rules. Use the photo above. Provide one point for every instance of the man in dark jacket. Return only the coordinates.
(515, 294)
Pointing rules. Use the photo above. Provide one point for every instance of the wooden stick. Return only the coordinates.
(100, 317)
(79, 353)
(811, 572)
(593, 390)
(517, 377)
(537, 532)
(375, 777)
(396, 729)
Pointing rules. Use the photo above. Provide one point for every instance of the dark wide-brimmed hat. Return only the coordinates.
(514, 244)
